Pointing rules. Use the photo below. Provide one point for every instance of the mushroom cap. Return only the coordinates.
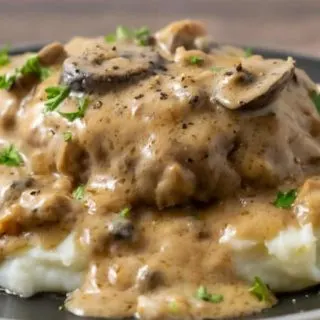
(252, 83)
(101, 65)
(180, 34)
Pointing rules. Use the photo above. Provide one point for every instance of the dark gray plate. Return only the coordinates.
(296, 306)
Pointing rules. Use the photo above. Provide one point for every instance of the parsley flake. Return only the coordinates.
(33, 66)
(67, 136)
(123, 33)
(82, 107)
(248, 52)
(55, 95)
(285, 199)
(196, 60)
(204, 295)
(315, 97)
(4, 56)
(140, 36)
(79, 192)
(125, 213)
(110, 38)
(10, 157)
(260, 290)
(7, 81)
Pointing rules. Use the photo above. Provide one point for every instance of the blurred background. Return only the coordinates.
(282, 24)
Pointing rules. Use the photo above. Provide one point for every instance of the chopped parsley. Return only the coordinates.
(123, 33)
(204, 295)
(33, 66)
(140, 36)
(248, 52)
(110, 38)
(7, 81)
(10, 157)
(67, 136)
(4, 56)
(125, 213)
(260, 290)
(196, 60)
(285, 199)
(82, 107)
(79, 192)
(315, 97)
(55, 95)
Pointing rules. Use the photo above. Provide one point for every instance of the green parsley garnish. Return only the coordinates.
(204, 295)
(4, 56)
(82, 107)
(7, 81)
(248, 52)
(33, 66)
(125, 213)
(140, 35)
(315, 97)
(110, 38)
(10, 157)
(196, 60)
(217, 69)
(67, 136)
(123, 33)
(55, 95)
(285, 199)
(260, 290)
(79, 192)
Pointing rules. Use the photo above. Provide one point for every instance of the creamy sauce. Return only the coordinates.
(194, 152)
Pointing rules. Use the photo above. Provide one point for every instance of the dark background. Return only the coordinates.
(282, 24)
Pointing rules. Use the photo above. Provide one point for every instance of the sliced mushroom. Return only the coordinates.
(103, 65)
(252, 83)
(51, 53)
(179, 34)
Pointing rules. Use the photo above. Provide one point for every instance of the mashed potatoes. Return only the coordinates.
(288, 262)
(38, 270)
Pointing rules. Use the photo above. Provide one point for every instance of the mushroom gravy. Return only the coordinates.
(192, 137)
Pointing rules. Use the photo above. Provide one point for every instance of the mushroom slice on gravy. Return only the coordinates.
(103, 65)
(252, 83)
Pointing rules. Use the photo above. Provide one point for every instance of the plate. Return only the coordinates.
(296, 306)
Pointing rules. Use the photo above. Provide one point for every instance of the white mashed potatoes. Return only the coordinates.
(288, 262)
(38, 270)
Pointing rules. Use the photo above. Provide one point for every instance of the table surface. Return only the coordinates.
(282, 24)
